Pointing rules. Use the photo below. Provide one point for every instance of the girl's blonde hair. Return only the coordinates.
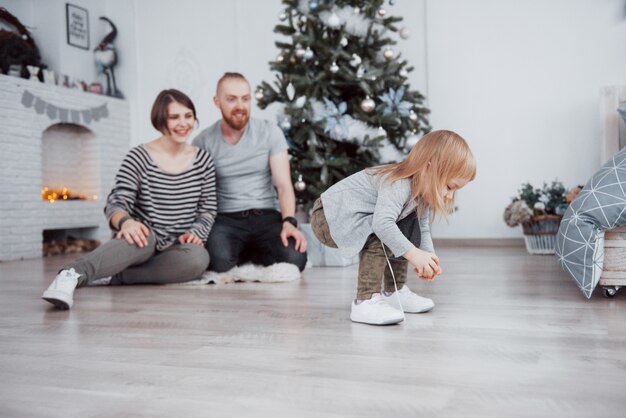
(437, 158)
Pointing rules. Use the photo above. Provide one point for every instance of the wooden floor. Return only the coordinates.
(510, 336)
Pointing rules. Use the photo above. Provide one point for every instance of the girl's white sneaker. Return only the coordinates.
(60, 293)
(375, 311)
(411, 301)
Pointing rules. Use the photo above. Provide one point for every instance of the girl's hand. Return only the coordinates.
(134, 232)
(189, 238)
(426, 265)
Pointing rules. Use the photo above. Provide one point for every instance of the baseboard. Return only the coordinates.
(478, 242)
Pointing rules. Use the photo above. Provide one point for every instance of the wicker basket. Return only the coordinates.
(540, 234)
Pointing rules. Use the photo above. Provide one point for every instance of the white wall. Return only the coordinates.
(519, 79)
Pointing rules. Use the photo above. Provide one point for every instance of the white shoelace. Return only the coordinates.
(393, 276)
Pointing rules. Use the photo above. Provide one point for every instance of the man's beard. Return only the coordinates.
(236, 124)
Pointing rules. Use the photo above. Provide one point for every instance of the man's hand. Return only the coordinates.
(291, 231)
(189, 238)
(134, 232)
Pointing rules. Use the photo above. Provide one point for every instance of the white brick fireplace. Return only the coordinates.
(65, 138)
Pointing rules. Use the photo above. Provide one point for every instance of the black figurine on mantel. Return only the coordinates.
(106, 59)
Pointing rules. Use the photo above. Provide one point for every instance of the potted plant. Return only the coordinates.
(539, 211)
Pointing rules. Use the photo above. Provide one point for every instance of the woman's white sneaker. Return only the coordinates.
(60, 293)
(375, 311)
(411, 302)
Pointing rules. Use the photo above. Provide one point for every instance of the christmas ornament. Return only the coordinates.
(259, 94)
(334, 21)
(334, 67)
(413, 115)
(299, 51)
(367, 105)
(357, 10)
(382, 12)
(285, 124)
(403, 73)
(280, 58)
(291, 91)
(355, 61)
(293, 59)
(299, 103)
(344, 41)
(313, 5)
(282, 16)
(303, 20)
(388, 54)
(411, 141)
(360, 71)
(405, 33)
(308, 53)
(299, 185)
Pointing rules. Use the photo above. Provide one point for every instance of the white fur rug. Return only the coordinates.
(276, 273)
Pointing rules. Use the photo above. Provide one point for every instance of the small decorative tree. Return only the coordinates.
(346, 101)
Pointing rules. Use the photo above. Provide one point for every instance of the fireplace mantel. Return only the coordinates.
(27, 109)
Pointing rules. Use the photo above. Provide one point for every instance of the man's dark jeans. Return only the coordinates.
(250, 236)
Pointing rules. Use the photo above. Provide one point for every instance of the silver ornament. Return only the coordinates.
(344, 41)
(334, 21)
(259, 94)
(313, 5)
(388, 54)
(357, 10)
(282, 16)
(280, 58)
(368, 105)
(355, 61)
(334, 67)
(299, 51)
(299, 103)
(299, 185)
(405, 33)
(413, 115)
(308, 53)
(285, 124)
(411, 141)
(403, 73)
(291, 91)
(360, 71)
(382, 12)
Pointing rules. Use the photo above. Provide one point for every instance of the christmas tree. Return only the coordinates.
(346, 103)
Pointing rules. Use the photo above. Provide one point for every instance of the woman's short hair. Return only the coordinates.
(158, 115)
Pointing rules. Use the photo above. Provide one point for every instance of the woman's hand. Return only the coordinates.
(189, 238)
(426, 265)
(134, 232)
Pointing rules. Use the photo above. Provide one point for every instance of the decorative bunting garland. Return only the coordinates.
(64, 115)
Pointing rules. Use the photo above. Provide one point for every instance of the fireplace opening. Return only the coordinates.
(69, 241)
(69, 162)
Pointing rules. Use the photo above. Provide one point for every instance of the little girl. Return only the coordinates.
(392, 205)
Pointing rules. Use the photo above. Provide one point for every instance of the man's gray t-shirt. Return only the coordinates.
(244, 179)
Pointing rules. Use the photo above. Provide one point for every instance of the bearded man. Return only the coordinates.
(252, 167)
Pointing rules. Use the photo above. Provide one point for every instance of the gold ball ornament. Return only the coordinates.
(368, 105)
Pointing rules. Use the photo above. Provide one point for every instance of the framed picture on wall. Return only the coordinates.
(77, 26)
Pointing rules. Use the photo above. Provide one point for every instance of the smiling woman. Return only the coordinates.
(162, 209)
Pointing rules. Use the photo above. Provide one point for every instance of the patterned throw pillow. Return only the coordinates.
(601, 205)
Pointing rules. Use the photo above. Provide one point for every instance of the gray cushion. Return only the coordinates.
(601, 205)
